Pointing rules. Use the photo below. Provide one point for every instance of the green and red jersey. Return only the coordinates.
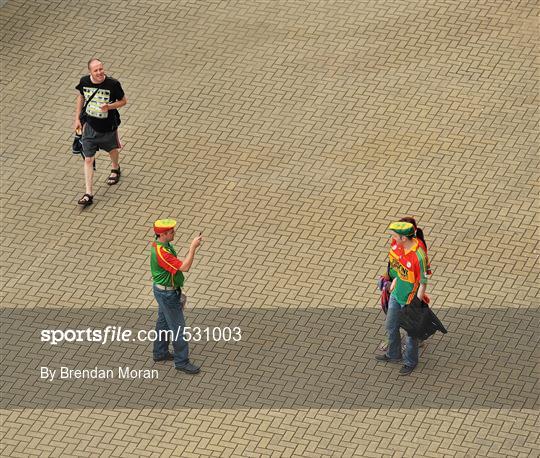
(398, 251)
(409, 268)
(165, 266)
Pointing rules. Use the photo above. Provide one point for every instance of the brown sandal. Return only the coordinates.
(114, 177)
(86, 200)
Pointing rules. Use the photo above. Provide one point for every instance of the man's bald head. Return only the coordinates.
(97, 72)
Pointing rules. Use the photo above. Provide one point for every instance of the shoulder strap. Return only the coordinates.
(90, 99)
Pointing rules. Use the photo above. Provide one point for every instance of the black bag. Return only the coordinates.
(419, 320)
(78, 149)
(77, 144)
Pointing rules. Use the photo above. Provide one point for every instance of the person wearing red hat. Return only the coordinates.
(168, 277)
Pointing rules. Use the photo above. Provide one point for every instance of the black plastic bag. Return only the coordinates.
(419, 320)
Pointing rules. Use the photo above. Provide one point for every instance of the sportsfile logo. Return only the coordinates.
(103, 336)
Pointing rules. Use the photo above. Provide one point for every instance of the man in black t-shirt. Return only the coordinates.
(99, 97)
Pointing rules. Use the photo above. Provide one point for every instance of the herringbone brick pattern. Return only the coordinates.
(290, 133)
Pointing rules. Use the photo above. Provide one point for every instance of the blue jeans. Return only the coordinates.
(394, 338)
(170, 317)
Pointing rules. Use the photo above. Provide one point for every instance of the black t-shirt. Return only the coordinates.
(109, 92)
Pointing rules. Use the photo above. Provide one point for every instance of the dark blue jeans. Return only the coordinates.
(170, 317)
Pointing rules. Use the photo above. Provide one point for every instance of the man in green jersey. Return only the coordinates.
(167, 274)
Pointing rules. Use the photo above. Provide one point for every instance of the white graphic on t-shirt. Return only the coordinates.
(94, 107)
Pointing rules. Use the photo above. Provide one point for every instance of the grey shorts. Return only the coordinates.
(93, 140)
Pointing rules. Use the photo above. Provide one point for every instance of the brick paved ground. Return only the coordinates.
(290, 133)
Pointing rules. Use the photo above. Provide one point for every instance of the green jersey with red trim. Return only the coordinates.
(409, 268)
(165, 266)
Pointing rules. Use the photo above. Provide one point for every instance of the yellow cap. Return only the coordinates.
(164, 225)
(402, 228)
